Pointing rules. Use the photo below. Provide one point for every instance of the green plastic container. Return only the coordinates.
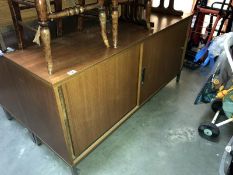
(228, 104)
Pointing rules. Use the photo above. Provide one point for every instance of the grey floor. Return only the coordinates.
(159, 139)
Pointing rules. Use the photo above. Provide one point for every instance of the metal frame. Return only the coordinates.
(221, 123)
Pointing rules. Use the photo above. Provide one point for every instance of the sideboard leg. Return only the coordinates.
(102, 18)
(35, 139)
(74, 170)
(178, 77)
(8, 115)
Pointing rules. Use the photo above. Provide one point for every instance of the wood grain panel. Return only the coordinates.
(71, 51)
(8, 95)
(162, 57)
(39, 108)
(99, 97)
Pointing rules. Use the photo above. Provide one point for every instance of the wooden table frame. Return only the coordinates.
(44, 16)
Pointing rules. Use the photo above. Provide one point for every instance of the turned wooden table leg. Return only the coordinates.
(45, 32)
(58, 8)
(115, 14)
(103, 20)
(16, 16)
(148, 13)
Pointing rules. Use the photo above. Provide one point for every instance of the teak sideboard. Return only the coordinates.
(93, 89)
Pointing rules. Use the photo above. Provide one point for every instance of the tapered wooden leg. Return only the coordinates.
(148, 13)
(45, 32)
(115, 14)
(46, 42)
(103, 20)
(16, 17)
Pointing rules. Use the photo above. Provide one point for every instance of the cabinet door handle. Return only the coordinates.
(143, 76)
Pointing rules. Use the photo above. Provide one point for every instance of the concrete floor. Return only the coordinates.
(159, 139)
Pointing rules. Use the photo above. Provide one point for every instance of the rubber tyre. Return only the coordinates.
(208, 131)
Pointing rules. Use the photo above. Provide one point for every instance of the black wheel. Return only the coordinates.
(8, 115)
(216, 106)
(208, 131)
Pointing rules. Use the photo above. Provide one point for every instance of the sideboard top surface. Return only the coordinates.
(80, 50)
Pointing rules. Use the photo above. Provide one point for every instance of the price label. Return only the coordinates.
(72, 72)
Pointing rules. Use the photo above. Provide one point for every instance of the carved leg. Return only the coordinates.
(16, 16)
(102, 18)
(148, 13)
(45, 32)
(46, 41)
(115, 22)
(58, 8)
